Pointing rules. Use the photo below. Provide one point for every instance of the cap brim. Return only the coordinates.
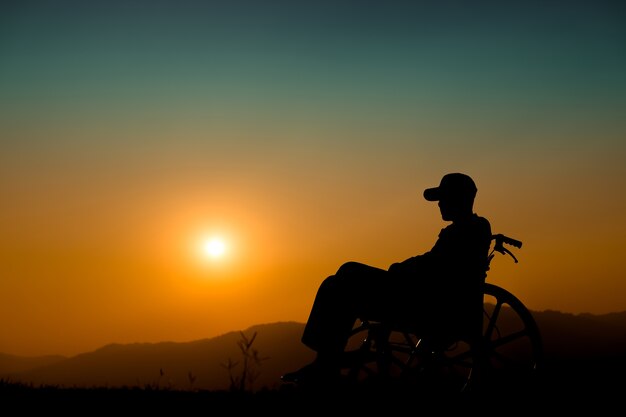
(432, 194)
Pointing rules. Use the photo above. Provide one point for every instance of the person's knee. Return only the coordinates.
(341, 280)
(328, 281)
(348, 268)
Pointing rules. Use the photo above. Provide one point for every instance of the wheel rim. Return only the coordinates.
(511, 352)
(512, 341)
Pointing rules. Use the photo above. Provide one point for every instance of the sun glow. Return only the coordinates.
(214, 247)
(217, 249)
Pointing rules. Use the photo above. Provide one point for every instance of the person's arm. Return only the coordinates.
(412, 264)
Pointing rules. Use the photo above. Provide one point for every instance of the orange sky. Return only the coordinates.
(93, 254)
(118, 158)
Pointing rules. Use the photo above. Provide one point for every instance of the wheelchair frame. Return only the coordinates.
(505, 354)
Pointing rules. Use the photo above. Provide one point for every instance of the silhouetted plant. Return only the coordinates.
(192, 378)
(251, 363)
(156, 385)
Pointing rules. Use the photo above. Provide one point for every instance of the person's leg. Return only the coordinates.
(353, 291)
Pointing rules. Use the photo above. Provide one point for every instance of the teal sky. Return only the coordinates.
(405, 64)
(310, 129)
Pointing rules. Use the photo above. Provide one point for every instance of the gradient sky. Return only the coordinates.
(303, 133)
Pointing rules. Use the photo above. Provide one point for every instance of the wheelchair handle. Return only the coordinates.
(501, 240)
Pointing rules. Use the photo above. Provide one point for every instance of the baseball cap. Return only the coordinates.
(454, 185)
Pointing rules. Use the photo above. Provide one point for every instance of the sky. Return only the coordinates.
(301, 135)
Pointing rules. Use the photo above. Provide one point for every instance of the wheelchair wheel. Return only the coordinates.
(512, 351)
(383, 357)
(376, 354)
(509, 355)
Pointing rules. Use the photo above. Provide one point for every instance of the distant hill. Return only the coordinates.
(169, 364)
(574, 344)
(584, 352)
(584, 336)
(11, 364)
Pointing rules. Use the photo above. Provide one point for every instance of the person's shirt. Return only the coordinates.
(458, 258)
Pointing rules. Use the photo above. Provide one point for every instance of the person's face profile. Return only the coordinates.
(451, 208)
(445, 207)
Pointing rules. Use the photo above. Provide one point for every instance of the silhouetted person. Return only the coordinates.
(421, 290)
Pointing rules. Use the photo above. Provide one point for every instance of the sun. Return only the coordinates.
(214, 247)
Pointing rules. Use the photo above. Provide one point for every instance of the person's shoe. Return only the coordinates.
(306, 373)
(312, 373)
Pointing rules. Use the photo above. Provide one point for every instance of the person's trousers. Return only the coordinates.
(355, 291)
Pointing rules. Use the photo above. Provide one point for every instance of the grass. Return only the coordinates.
(291, 400)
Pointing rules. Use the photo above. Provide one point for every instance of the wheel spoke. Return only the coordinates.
(502, 340)
(511, 346)
(493, 319)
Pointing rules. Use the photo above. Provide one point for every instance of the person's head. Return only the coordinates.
(455, 194)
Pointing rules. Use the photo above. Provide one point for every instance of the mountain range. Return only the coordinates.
(578, 348)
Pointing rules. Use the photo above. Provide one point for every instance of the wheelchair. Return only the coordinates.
(497, 346)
